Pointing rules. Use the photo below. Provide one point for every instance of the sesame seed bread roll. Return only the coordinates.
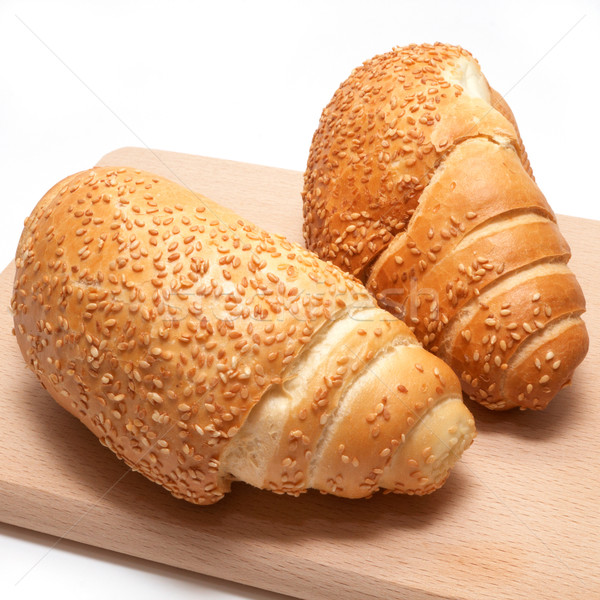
(202, 350)
(419, 184)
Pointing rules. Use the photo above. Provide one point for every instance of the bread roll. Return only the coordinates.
(419, 184)
(202, 350)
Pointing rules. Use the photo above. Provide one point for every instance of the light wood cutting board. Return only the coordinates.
(518, 518)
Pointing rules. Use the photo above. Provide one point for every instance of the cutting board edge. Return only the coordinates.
(19, 504)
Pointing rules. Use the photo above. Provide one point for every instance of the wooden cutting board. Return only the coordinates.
(518, 518)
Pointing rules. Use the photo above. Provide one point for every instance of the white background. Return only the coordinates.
(247, 81)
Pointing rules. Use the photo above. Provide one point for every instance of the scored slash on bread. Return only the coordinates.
(418, 183)
(339, 407)
(202, 350)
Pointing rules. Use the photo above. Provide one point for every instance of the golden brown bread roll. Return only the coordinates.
(419, 184)
(203, 350)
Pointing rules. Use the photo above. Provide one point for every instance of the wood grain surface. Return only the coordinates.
(518, 518)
